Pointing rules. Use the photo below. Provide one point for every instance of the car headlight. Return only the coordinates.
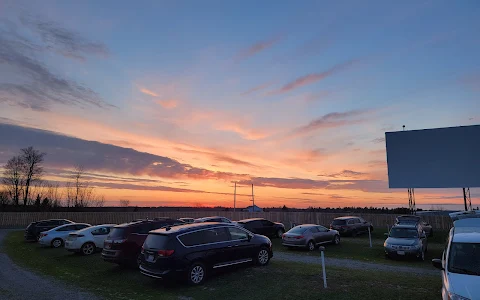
(452, 296)
(387, 244)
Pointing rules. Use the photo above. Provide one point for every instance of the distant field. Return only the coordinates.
(279, 280)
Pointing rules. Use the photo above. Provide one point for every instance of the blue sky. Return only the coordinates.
(315, 83)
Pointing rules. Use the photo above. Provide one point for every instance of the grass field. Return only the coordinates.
(359, 248)
(279, 280)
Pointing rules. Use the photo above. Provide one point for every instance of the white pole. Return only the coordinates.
(323, 267)
(370, 236)
(235, 197)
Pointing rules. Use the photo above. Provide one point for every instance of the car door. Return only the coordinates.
(241, 248)
(315, 234)
(268, 228)
(324, 234)
(358, 225)
(255, 226)
(65, 230)
(99, 235)
(211, 244)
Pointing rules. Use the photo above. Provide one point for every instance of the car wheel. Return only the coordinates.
(88, 248)
(139, 259)
(56, 243)
(336, 239)
(262, 257)
(197, 273)
(280, 232)
(311, 246)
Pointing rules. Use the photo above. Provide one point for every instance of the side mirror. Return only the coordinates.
(437, 263)
(250, 237)
(385, 234)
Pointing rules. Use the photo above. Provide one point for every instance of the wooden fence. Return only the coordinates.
(22, 219)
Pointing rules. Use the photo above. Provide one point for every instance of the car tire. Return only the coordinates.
(138, 261)
(280, 232)
(197, 274)
(56, 243)
(310, 246)
(88, 249)
(336, 239)
(263, 257)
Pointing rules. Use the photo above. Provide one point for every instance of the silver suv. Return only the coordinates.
(406, 240)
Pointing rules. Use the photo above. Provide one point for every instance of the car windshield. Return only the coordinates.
(404, 233)
(339, 222)
(156, 241)
(464, 258)
(117, 233)
(297, 230)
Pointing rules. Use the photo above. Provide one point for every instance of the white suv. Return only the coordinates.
(460, 263)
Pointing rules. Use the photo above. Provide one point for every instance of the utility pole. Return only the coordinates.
(235, 197)
(253, 200)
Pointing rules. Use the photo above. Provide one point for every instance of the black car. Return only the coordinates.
(262, 226)
(351, 225)
(212, 219)
(192, 251)
(33, 230)
(124, 242)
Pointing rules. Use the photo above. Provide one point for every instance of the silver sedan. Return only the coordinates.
(309, 236)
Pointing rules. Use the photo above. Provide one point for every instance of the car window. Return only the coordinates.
(322, 229)
(237, 234)
(225, 220)
(81, 226)
(47, 223)
(464, 258)
(361, 220)
(101, 231)
(338, 222)
(266, 223)
(205, 236)
(356, 221)
(66, 228)
(145, 228)
(350, 222)
(313, 230)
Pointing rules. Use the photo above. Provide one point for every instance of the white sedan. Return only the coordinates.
(55, 237)
(87, 240)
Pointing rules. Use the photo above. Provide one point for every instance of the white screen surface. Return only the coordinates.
(434, 158)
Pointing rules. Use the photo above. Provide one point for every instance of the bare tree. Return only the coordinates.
(13, 178)
(4, 198)
(32, 168)
(80, 193)
(54, 193)
(124, 202)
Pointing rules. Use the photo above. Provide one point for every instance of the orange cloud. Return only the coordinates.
(248, 134)
(168, 103)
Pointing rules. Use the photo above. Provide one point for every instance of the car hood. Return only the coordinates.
(464, 285)
(403, 242)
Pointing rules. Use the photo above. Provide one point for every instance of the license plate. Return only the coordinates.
(401, 252)
(150, 258)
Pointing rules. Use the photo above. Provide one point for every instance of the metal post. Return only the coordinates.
(465, 199)
(235, 197)
(370, 236)
(253, 200)
(323, 266)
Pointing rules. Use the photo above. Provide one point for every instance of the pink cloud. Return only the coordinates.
(248, 134)
(168, 104)
(257, 88)
(148, 92)
(312, 78)
(256, 48)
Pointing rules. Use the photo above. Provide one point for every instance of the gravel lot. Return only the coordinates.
(18, 284)
(352, 264)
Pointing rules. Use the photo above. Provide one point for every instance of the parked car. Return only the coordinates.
(193, 251)
(33, 230)
(310, 236)
(86, 241)
(124, 242)
(412, 219)
(187, 220)
(262, 226)
(406, 240)
(351, 225)
(55, 237)
(212, 219)
(460, 262)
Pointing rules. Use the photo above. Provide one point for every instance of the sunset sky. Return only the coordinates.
(169, 103)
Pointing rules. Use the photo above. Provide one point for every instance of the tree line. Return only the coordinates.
(24, 185)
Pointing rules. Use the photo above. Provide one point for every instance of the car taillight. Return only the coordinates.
(299, 237)
(165, 252)
(43, 234)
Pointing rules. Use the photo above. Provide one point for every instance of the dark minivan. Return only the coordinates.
(192, 251)
(262, 226)
(124, 242)
(33, 230)
(351, 225)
